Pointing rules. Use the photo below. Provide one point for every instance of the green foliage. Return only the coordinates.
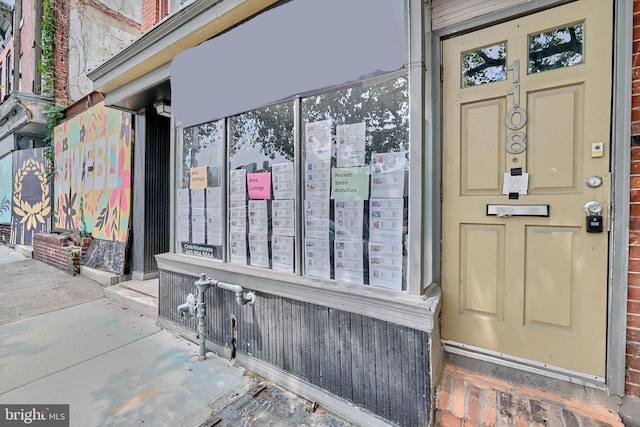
(54, 114)
(83, 221)
(47, 61)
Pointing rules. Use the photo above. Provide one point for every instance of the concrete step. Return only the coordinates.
(139, 296)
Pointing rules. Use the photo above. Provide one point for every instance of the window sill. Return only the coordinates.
(412, 311)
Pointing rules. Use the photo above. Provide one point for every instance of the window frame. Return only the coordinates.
(416, 307)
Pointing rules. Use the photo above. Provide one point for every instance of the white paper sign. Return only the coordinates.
(259, 249)
(316, 218)
(183, 222)
(215, 218)
(348, 261)
(388, 171)
(197, 216)
(317, 180)
(238, 184)
(351, 149)
(348, 219)
(238, 248)
(238, 217)
(318, 140)
(385, 220)
(282, 177)
(385, 265)
(316, 258)
(515, 183)
(283, 217)
(258, 217)
(282, 253)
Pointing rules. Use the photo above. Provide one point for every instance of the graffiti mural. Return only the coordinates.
(6, 170)
(31, 209)
(93, 173)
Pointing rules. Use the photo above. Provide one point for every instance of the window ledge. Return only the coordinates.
(412, 311)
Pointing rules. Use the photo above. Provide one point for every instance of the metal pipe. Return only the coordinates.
(201, 309)
(241, 297)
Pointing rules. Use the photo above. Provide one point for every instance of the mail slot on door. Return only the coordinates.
(505, 211)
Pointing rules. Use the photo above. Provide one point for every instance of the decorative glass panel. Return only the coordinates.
(484, 65)
(557, 48)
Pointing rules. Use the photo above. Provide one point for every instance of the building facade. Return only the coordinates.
(400, 181)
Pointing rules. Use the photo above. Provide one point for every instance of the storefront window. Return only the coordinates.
(262, 188)
(199, 197)
(353, 194)
(355, 144)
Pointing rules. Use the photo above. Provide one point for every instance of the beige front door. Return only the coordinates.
(526, 123)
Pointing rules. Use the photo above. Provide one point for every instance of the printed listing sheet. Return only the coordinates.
(350, 150)
(238, 185)
(258, 217)
(282, 253)
(259, 249)
(385, 265)
(283, 217)
(317, 180)
(349, 217)
(385, 220)
(215, 217)
(318, 140)
(316, 218)
(238, 248)
(317, 258)
(197, 216)
(284, 186)
(388, 175)
(348, 260)
(238, 217)
(183, 212)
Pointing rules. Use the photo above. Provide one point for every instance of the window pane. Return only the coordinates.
(484, 65)
(262, 188)
(355, 144)
(199, 210)
(558, 48)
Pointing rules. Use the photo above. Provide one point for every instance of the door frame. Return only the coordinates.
(620, 161)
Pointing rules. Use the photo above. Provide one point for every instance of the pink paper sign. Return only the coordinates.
(259, 185)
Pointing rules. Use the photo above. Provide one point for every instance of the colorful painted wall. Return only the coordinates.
(93, 173)
(31, 210)
(6, 170)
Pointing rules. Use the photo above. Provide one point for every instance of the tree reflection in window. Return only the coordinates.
(484, 65)
(202, 146)
(382, 105)
(262, 135)
(557, 48)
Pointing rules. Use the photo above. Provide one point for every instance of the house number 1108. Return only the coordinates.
(516, 117)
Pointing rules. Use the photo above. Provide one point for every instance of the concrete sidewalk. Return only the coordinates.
(63, 342)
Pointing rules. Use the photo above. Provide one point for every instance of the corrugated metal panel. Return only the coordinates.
(377, 365)
(450, 12)
(157, 189)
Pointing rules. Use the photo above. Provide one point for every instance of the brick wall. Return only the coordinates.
(61, 69)
(633, 306)
(56, 250)
(152, 12)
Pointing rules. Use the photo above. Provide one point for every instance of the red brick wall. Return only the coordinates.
(633, 306)
(61, 70)
(54, 249)
(152, 12)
